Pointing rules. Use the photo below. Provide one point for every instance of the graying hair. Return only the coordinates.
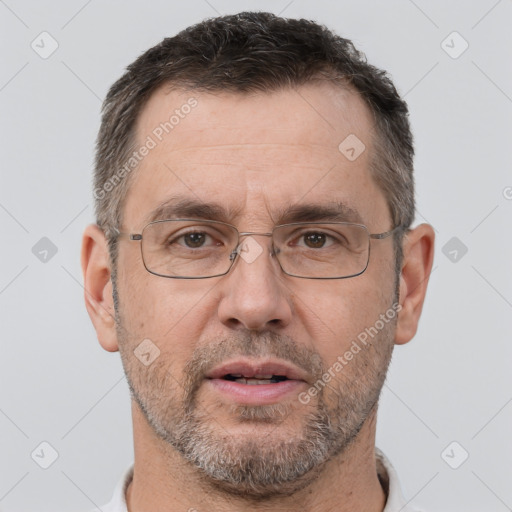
(243, 53)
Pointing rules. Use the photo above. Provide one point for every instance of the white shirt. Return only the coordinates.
(387, 476)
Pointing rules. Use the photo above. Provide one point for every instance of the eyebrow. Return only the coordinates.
(334, 211)
(178, 207)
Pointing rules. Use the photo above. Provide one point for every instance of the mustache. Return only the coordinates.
(249, 344)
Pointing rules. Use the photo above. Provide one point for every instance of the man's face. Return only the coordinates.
(256, 156)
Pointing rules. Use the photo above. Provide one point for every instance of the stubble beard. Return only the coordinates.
(283, 461)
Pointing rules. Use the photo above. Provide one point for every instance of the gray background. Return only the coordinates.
(451, 383)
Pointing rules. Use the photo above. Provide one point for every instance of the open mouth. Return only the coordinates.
(256, 380)
(246, 371)
(253, 381)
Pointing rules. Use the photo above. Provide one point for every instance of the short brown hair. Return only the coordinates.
(248, 52)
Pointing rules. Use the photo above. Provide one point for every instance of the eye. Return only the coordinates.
(194, 240)
(314, 240)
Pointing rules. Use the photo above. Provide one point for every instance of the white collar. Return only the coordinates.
(391, 485)
(387, 477)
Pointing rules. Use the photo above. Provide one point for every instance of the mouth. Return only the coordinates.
(256, 382)
(249, 371)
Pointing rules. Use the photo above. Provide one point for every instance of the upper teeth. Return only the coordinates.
(257, 379)
(253, 381)
(259, 376)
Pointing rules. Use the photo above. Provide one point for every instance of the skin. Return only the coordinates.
(255, 154)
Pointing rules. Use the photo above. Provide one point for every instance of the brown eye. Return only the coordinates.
(315, 240)
(194, 240)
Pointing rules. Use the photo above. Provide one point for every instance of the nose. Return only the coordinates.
(253, 292)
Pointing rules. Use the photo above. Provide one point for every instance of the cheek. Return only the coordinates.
(168, 312)
(335, 313)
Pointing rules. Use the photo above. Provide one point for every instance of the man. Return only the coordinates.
(254, 264)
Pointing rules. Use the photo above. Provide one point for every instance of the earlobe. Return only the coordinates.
(418, 250)
(98, 286)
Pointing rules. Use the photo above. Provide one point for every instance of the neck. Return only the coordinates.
(164, 481)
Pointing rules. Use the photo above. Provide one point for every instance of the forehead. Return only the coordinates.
(255, 153)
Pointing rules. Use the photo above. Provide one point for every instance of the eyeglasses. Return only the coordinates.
(199, 249)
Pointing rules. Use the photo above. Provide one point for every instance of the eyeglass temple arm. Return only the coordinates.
(380, 236)
(131, 236)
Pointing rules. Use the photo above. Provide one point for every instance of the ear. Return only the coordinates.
(418, 250)
(98, 286)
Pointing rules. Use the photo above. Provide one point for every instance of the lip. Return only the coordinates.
(259, 394)
(249, 368)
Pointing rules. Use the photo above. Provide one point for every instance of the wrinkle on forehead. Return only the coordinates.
(318, 114)
(254, 157)
(258, 151)
(245, 145)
